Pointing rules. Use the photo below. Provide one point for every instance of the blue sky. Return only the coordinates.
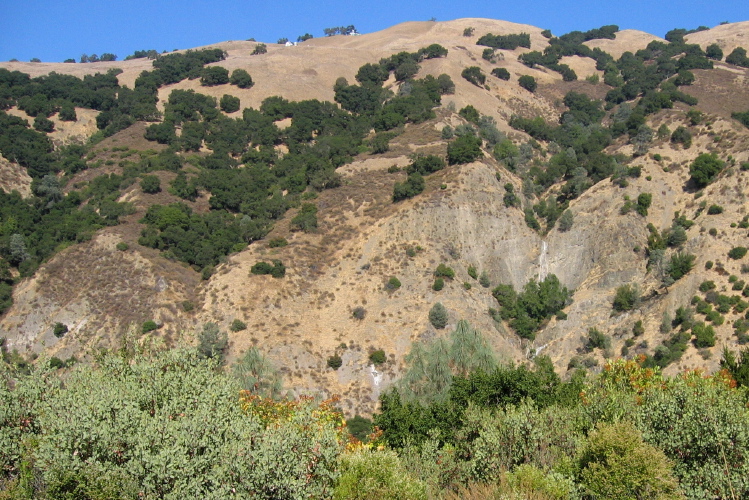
(57, 30)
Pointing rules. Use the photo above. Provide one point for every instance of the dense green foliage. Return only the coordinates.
(507, 42)
(528, 83)
(536, 303)
(166, 425)
(705, 168)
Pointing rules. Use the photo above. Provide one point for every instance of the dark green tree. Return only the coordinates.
(464, 149)
(229, 103)
(705, 168)
(528, 83)
(150, 184)
(241, 79)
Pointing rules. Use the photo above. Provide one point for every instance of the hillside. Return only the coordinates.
(363, 238)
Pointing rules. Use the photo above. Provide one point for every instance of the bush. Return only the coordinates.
(597, 340)
(393, 284)
(472, 272)
(627, 298)
(444, 271)
(377, 357)
(150, 184)
(470, 113)
(241, 79)
(438, 316)
(277, 269)
(617, 464)
(60, 330)
(464, 149)
(643, 203)
(737, 253)
(714, 210)
(238, 325)
(501, 73)
(683, 136)
(438, 284)
(368, 473)
(474, 75)
(679, 265)
(705, 168)
(229, 103)
(214, 75)
(359, 313)
(212, 342)
(335, 362)
(149, 326)
(414, 185)
(528, 83)
(704, 335)
(484, 279)
(306, 219)
(277, 243)
(260, 48)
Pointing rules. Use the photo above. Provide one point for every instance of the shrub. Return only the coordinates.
(470, 113)
(638, 329)
(627, 297)
(683, 136)
(597, 340)
(617, 464)
(238, 325)
(501, 73)
(484, 279)
(438, 284)
(444, 271)
(368, 473)
(212, 342)
(59, 330)
(438, 316)
(472, 272)
(277, 269)
(528, 83)
(335, 362)
(737, 253)
(704, 335)
(393, 284)
(150, 184)
(474, 75)
(706, 286)
(241, 79)
(187, 306)
(359, 427)
(464, 149)
(643, 203)
(414, 185)
(377, 357)
(705, 168)
(306, 219)
(359, 313)
(229, 103)
(277, 243)
(214, 75)
(260, 48)
(122, 246)
(149, 326)
(679, 265)
(714, 210)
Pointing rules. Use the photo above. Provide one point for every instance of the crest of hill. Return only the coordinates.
(727, 36)
(625, 41)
